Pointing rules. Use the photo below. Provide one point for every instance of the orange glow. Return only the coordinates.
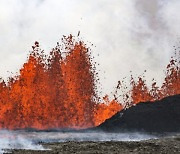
(106, 110)
(59, 90)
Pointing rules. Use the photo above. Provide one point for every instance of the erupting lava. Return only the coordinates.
(59, 90)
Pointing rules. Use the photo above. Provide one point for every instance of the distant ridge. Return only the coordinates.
(158, 117)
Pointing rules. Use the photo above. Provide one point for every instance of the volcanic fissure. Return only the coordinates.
(59, 90)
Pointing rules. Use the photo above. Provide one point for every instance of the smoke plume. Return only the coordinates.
(129, 35)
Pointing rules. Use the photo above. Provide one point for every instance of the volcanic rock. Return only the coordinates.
(170, 145)
(159, 117)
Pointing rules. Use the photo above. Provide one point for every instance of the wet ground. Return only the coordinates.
(168, 145)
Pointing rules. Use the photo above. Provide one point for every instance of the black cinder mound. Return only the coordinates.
(159, 116)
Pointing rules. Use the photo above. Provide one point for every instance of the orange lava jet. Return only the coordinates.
(59, 90)
(170, 86)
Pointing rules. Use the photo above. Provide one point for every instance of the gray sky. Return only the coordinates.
(129, 35)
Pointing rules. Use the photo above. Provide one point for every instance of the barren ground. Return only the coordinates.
(168, 145)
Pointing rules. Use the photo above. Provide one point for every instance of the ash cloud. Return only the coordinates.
(129, 35)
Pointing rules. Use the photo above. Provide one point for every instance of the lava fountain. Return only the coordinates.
(59, 90)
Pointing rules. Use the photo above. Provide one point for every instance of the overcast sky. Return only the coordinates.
(129, 35)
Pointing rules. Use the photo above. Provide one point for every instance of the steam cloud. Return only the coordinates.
(29, 140)
(15, 140)
(129, 35)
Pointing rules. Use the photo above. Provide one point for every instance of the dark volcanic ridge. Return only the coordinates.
(161, 116)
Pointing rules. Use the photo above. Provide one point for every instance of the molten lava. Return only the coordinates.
(59, 90)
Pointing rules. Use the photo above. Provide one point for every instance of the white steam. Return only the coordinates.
(13, 140)
(129, 35)
(29, 140)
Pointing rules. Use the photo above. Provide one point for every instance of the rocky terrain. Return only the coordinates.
(167, 145)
